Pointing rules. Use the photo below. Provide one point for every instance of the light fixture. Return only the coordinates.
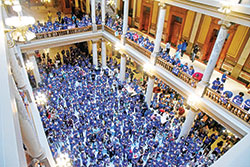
(110, 2)
(192, 100)
(63, 160)
(29, 65)
(11, 2)
(19, 21)
(41, 98)
(17, 8)
(19, 29)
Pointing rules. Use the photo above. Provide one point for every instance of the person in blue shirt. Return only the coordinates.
(238, 99)
(247, 105)
(216, 84)
(191, 71)
(179, 47)
(220, 88)
(224, 77)
(185, 68)
(183, 47)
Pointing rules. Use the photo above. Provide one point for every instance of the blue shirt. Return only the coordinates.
(215, 84)
(237, 100)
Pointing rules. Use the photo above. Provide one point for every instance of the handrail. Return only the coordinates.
(62, 32)
(182, 75)
(139, 48)
(111, 31)
(230, 106)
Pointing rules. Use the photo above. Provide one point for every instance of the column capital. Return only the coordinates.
(104, 40)
(94, 40)
(224, 23)
(150, 75)
(162, 5)
(123, 55)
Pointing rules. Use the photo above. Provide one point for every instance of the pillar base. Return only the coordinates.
(103, 24)
(201, 87)
(94, 27)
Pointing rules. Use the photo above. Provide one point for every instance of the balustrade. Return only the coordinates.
(230, 106)
(111, 31)
(62, 32)
(144, 51)
(182, 75)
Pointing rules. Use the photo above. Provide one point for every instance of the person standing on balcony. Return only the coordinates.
(224, 77)
(59, 16)
(216, 84)
(194, 53)
(238, 99)
(49, 16)
(183, 47)
(168, 45)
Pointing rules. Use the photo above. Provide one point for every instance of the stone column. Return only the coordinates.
(34, 111)
(29, 136)
(94, 51)
(35, 70)
(160, 25)
(16, 71)
(242, 60)
(150, 87)
(104, 58)
(194, 32)
(187, 125)
(103, 13)
(134, 13)
(215, 52)
(93, 16)
(125, 21)
(123, 67)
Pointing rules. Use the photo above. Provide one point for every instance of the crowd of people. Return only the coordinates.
(226, 96)
(93, 118)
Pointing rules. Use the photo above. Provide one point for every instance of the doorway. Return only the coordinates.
(145, 20)
(210, 45)
(175, 29)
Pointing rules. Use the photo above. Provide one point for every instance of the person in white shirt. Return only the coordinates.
(168, 45)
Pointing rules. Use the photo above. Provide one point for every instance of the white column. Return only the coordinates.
(160, 25)
(215, 52)
(103, 14)
(93, 16)
(104, 59)
(35, 70)
(9, 152)
(94, 50)
(150, 87)
(16, 70)
(29, 136)
(125, 21)
(35, 113)
(187, 125)
(123, 68)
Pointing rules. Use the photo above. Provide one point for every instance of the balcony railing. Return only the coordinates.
(111, 31)
(182, 75)
(139, 48)
(233, 108)
(63, 32)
